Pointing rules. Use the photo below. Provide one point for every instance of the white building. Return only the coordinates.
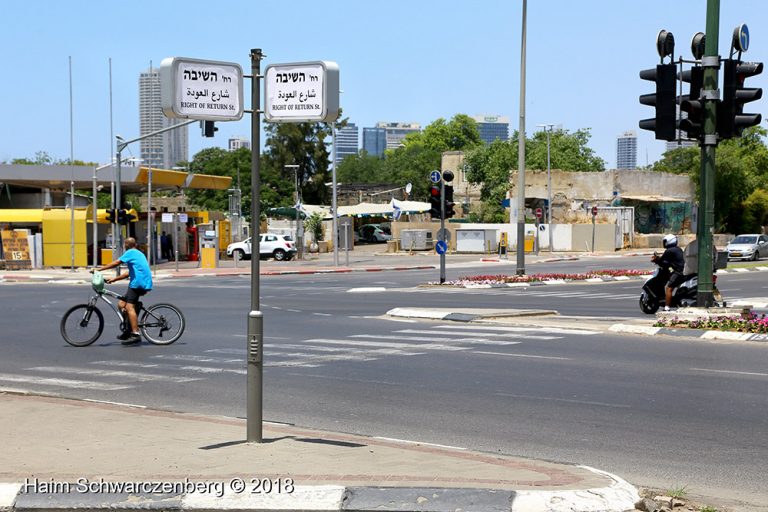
(236, 143)
(166, 150)
(626, 151)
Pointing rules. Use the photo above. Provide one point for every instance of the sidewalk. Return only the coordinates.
(364, 258)
(203, 463)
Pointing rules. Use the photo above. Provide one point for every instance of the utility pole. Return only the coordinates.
(704, 229)
(521, 158)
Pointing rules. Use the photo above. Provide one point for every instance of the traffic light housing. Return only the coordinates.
(435, 198)
(449, 204)
(731, 120)
(122, 217)
(208, 128)
(663, 100)
(111, 215)
(692, 104)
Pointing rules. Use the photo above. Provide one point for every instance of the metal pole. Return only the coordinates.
(521, 157)
(150, 255)
(255, 372)
(94, 218)
(72, 221)
(117, 240)
(335, 226)
(112, 205)
(711, 64)
(442, 229)
(71, 162)
(176, 239)
(549, 192)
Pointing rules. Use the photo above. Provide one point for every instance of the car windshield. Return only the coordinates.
(744, 240)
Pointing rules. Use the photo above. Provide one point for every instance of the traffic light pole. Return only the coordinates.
(706, 220)
(442, 229)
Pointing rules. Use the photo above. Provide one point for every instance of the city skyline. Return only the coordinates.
(475, 71)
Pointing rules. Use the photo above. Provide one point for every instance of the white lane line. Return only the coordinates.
(198, 359)
(229, 351)
(369, 289)
(322, 314)
(428, 346)
(554, 330)
(522, 355)
(375, 352)
(142, 377)
(504, 335)
(64, 383)
(428, 338)
(732, 372)
(566, 400)
(173, 367)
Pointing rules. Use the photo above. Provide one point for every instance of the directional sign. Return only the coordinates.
(435, 176)
(301, 92)
(201, 89)
(441, 247)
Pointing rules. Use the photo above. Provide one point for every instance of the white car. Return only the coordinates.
(280, 247)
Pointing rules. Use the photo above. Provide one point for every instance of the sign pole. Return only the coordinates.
(255, 372)
(442, 229)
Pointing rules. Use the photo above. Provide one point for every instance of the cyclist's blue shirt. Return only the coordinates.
(139, 273)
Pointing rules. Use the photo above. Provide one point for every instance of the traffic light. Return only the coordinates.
(449, 204)
(208, 128)
(122, 217)
(111, 215)
(434, 201)
(731, 120)
(692, 104)
(663, 125)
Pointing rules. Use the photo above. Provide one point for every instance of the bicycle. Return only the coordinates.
(161, 324)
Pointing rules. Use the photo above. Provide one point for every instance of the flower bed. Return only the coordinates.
(531, 278)
(753, 324)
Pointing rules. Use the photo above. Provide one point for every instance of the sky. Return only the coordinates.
(400, 61)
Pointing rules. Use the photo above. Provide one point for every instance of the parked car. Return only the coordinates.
(748, 247)
(374, 233)
(280, 247)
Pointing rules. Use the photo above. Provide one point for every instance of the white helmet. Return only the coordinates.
(669, 241)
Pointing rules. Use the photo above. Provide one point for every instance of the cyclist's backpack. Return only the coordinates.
(98, 282)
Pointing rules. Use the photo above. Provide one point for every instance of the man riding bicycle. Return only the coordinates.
(140, 282)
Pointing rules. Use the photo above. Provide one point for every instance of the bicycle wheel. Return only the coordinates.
(162, 324)
(82, 325)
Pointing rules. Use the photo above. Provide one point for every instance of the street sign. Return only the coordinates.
(444, 234)
(201, 89)
(435, 176)
(183, 217)
(301, 92)
(167, 218)
(594, 211)
(539, 213)
(441, 247)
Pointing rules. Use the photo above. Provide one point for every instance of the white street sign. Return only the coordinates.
(301, 92)
(167, 218)
(201, 89)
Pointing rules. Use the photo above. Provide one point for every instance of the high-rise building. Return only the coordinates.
(396, 132)
(374, 141)
(492, 127)
(167, 149)
(236, 143)
(626, 151)
(347, 142)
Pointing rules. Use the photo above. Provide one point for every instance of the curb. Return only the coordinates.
(220, 495)
(689, 333)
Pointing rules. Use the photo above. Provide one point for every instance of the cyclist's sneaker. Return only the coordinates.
(124, 335)
(132, 339)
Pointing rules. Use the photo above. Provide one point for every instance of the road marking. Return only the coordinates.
(554, 330)
(429, 346)
(322, 314)
(477, 333)
(64, 383)
(198, 359)
(143, 377)
(369, 289)
(566, 400)
(173, 367)
(418, 338)
(405, 441)
(522, 355)
(734, 372)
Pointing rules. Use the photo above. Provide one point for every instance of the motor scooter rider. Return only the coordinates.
(674, 262)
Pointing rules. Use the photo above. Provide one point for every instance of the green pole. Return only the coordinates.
(705, 228)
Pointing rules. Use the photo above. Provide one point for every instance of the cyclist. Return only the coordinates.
(140, 282)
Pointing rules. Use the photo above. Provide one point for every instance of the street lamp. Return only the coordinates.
(96, 189)
(548, 128)
(299, 231)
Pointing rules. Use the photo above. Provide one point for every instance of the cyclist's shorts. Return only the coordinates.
(133, 294)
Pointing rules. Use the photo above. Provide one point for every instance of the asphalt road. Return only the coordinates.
(658, 411)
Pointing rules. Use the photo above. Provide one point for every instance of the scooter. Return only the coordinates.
(685, 295)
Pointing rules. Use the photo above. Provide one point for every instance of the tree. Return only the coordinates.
(361, 168)
(755, 208)
(459, 134)
(490, 167)
(568, 151)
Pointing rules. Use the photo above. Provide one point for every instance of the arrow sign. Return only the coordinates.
(435, 176)
(441, 247)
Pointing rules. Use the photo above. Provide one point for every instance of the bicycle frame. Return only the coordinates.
(101, 295)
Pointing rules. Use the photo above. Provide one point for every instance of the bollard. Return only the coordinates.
(255, 377)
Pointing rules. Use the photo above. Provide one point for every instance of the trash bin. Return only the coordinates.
(529, 243)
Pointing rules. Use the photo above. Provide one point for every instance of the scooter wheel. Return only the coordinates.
(647, 305)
